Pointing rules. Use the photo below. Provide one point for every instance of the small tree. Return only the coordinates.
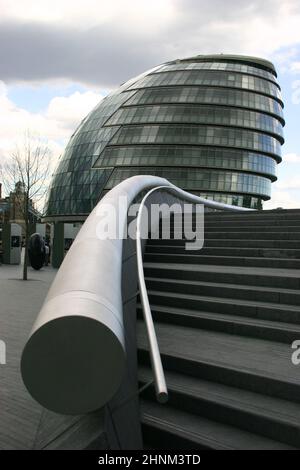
(27, 167)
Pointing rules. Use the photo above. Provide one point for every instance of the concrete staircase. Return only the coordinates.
(225, 318)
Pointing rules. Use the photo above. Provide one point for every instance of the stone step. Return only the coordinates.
(243, 235)
(228, 242)
(228, 251)
(209, 222)
(232, 324)
(190, 257)
(165, 427)
(225, 290)
(233, 227)
(254, 276)
(252, 364)
(232, 306)
(271, 417)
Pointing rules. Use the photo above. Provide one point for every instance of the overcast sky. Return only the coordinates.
(58, 58)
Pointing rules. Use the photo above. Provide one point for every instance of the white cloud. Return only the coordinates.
(256, 27)
(89, 13)
(284, 58)
(55, 124)
(68, 111)
(295, 67)
(94, 41)
(291, 158)
(292, 182)
(284, 199)
(296, 92)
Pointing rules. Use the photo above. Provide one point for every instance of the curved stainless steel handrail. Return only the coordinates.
(158, 372)
(75, 357)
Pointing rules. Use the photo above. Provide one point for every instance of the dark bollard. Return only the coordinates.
(36, 251)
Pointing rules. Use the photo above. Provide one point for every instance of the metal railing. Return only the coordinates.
(158, 372)
(74, 359)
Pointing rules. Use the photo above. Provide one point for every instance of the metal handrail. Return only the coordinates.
(158, 372)
(155, 357)
(75, 357)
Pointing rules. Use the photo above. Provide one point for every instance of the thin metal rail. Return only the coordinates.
(157, 367)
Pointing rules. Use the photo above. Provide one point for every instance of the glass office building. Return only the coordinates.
(211, 124)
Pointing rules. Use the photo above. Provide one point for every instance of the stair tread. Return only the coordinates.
(244, 232)
(225, 285)
(165, 246)
(256, 213)
(255, 403)
(257, 270)
(201, 431)
(175, 241)
(292, 222)
(292, 327)
(255, 356)
(228, 300)
(199, 256)
(231, 227)
(211, 239)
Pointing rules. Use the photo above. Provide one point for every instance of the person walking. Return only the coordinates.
(47, 253)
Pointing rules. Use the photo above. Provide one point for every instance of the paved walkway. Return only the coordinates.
(24, 424)
(20, 302)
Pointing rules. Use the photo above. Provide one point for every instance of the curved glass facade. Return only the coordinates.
(197, 115)
(197, 135)
(208, 95)
(188, 156)
(229, 67)
(212, 78)
(212, 125)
